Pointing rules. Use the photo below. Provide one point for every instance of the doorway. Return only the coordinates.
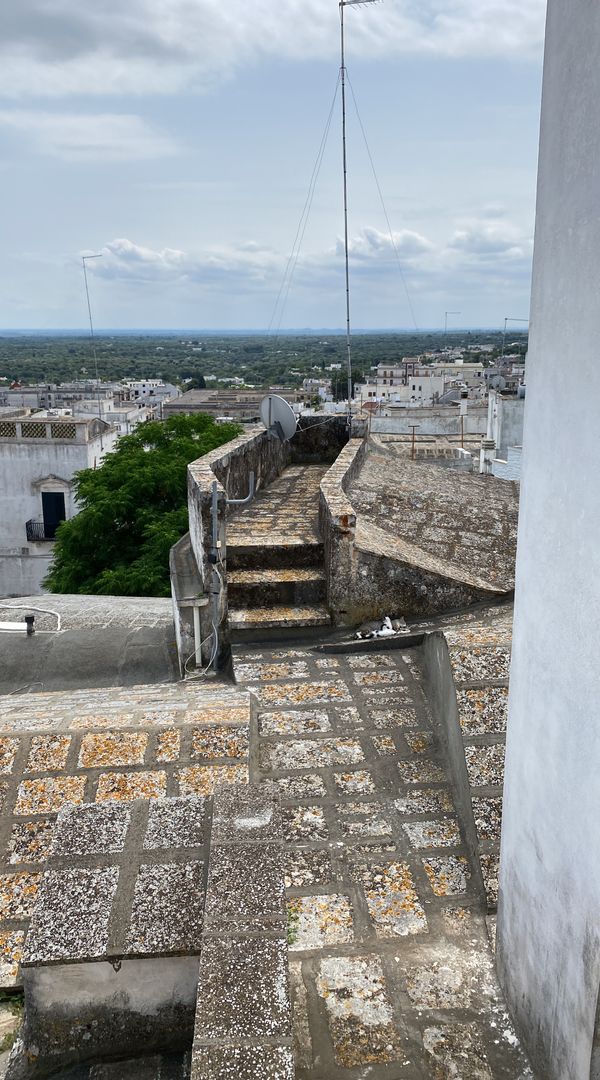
(53, 510)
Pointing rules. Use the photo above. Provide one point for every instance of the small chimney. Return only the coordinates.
(487, 455)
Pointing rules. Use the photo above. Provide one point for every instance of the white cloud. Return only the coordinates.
(218, 266)
(486, 250)
(55, 47)
(371, 244)
(491, 239)
(93, 136)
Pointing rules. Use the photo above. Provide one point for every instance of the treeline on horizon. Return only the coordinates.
(261, 360)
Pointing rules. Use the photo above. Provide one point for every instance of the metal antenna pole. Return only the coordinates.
(344, 4)
(346, 253)
(84, 259)
(507, 319)
(446, 314)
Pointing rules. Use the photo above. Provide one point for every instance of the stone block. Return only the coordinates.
(243, 1063)
(245, 888)
(243, 814)
(176, 823)
(244, 991)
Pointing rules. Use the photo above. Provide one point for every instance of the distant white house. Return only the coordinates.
(409, 383)
(39, 456)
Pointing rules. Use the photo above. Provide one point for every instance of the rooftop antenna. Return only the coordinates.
(446, 314)
(84, 259)
(344, 4)
(507, 319)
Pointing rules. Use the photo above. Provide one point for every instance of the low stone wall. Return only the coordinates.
(441, 693)
(437, 420)
(337, 521)
(230, 465)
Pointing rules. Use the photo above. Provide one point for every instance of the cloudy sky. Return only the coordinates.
(178, 138)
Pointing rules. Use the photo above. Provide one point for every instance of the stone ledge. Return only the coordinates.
(243, 1019)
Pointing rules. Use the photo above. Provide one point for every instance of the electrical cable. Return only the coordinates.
(31, 607)
(390, 231)
(302, 223)
(200, 674)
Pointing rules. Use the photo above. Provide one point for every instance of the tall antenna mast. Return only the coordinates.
(84, 259)
(345, 4)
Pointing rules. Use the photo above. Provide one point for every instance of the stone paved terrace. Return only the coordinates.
(418, 513)
(390, 963)
(102, 745)
(283, 514)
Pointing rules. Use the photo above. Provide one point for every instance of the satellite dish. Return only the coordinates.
(497, 382)
(278, 416)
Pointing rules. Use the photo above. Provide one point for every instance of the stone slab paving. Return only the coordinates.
(102, 746)
(283, 514)
(391, 970)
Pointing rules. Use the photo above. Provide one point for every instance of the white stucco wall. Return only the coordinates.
(505, 421)
(549, 909)
(510, 467)
(27, 468)
(443, 420)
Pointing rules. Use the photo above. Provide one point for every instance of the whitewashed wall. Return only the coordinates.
(549, 909)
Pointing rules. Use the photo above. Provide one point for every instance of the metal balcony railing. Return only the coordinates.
(36, 530)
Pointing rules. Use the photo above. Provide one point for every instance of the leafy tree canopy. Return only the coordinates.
(132, 510)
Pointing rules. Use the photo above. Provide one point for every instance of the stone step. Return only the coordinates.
(255, 554)
(247, 623)
(294, 587)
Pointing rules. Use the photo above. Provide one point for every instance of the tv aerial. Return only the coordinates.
(278, 417)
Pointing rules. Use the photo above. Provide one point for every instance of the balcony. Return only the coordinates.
(36, 531)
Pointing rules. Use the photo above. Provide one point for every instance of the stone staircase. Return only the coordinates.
(275, 575)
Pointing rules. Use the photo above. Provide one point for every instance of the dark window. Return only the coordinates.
(53, 510)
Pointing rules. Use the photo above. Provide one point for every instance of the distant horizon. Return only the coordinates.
(292, 332)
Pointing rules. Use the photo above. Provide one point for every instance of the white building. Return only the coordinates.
(469, 374)
(405, 384)
(124, 416)
(501, 454)
(39, 456)
(320, 388)
(151, 392)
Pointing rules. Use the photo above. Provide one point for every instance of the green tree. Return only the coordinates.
(133, 509)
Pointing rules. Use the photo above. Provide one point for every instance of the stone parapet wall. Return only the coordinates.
(370, 572)
(230, 466)
(337, 521)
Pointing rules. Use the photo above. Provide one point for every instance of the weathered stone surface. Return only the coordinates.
(243, 1063)
(244, 990)
(72, 915)
(176, 823)
(246, 814)
(377, 875)
(166, 911)
(245, 887)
